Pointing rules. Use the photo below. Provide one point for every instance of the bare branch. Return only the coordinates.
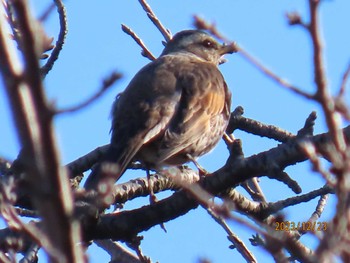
(237, 121)
(294, 18)
(323, 95)
(236, 241)
(31, 255)
(85, 162)
(117, 252)
(61, 38)
(135, 244)
(317, 213)
(241, 203)
(283, 177)
(308, 129)
(254, 190)
(310, 151)
(202, 24)
(345, 78)
(34, 125)
(274, 207)
(164, 31)
(145, 51)
(269, 73)
(113, 225)
(47, 12)
(341, 103)
(26, 212)
(106, 84)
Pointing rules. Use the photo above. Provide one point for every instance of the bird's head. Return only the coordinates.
(199, 43)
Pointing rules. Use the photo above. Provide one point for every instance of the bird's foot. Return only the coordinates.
(201, 171)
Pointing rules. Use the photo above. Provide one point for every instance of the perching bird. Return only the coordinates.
(175, 108)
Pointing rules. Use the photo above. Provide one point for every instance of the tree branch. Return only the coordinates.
(46, 180)
(164, 31)
(61, 38)
(126, 224)
(145, 51)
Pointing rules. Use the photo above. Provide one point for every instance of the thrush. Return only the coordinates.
(175, 108)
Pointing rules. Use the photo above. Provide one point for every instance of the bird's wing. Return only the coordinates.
(143, 110)
(204, 98)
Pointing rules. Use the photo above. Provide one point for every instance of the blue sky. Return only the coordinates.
(95, 46)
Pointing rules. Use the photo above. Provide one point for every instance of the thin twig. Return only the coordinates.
(8, 5)
(318, 211)
(341, 104)
(116, 251)
(47, 12)
(329, 104)
(46, 42)
(323, 94)
(311, 153)
(5, 258)
(294, 18)
(239, 202)
(26, 212)
(237, 121)
(282, 176)
(145, 51)
(345, 78)
(135, 244)
(238, 243)
(9, 213)
(203, 197)
(106, 84)
(253, 188)
(202, 24)
(61, 38)
(282, 82)
(31, 255)
(164, 31)
(274, 207)
(308, 129)
(296, 248)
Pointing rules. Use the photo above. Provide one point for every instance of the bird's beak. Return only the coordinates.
(228, 49)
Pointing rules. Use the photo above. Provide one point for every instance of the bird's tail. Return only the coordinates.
(110, 169)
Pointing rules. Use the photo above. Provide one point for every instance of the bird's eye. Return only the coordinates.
(208, 43)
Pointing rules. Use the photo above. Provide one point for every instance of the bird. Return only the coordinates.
(174, 110)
